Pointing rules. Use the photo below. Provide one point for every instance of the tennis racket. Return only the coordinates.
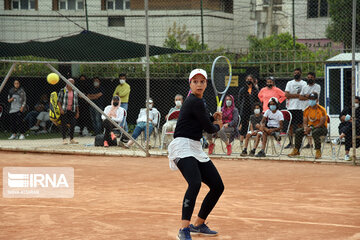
(221, 68)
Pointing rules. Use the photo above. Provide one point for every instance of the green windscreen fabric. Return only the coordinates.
(85, 46)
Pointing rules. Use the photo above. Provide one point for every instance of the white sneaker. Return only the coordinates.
(22, 137)
(13, 136)
(34, 128)
(347, 157)
(336, 141)
(42, 131)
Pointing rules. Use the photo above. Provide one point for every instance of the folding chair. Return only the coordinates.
(165, 132)
(323, 140)
(155, 132)
(283, 133)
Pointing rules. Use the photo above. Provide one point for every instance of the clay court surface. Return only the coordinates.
(140, 198)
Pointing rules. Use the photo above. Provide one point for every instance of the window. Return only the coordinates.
(71, 4)
(117, 4)
(23, 4)
(317, 8)
(116, 21)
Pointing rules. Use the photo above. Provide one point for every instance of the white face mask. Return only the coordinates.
(122, 81)
(150, 105)
(96, 84)
(257, 111)
(356, 105)
(228, 103)
(178, 103)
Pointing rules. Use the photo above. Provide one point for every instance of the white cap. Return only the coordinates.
(274, 98)
(196, 72)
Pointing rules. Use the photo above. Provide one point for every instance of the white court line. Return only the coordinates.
(176, 214)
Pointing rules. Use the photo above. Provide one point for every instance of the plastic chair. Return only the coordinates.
(165, 132)
(155, 132)
(223, 147)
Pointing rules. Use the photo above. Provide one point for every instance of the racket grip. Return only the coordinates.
(218, 109)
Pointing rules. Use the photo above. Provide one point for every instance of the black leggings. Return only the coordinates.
(68, 120)
(108, 128)
(17, 123)
(194, 173)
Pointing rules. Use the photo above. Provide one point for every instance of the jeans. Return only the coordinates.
(316, 134)
(30, 118)
(123, 122)
(141, 126)
(96, 120)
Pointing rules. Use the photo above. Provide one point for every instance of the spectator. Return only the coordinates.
(116, 113)
(31, 116)
(345, 128)
(314, 123)
(42, 117)
(248, 95)
(123, 91)
(254, 129)
(270, 91)
(304, 97)
(294, 104)
(95, 94)
(17, 100)
(141, 122)
(83, 122)
(69, 110)
(271, 124)
(230, 119)
(171, 124)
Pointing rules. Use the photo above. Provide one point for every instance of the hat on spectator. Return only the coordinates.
(274, 99)
(313, 95)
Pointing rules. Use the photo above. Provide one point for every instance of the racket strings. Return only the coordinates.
(221, 71)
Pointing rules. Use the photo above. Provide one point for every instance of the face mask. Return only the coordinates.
(272, 107)
(228, 103)
(96, 84)
(269, 85)
(122, 81)
(297, 76)
(257, 111)
(248, 83)
(178, 103)
(150, 105)
(115, 103)
(356, 105)
(310, 81)
(312, 102)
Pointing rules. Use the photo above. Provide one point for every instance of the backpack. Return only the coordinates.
(54, 110)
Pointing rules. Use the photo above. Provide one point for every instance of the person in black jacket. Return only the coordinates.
(247, 96)
(186, 154)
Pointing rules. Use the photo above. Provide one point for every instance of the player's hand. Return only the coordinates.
(218, 116)
(62, 111)
(226, 125)
(219, 122)
(21, 109)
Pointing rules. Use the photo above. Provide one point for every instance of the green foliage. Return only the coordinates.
(340, 27)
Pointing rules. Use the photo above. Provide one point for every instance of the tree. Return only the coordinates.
(340, 27)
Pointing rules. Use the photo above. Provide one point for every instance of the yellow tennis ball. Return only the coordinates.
(53, 78)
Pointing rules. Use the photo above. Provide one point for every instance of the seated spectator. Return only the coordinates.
(314, 123)
(31, 116)
(142, 120)
(116, 113)
(254, 129)
(270, 91)
(230, 119)
(95, 94)
(42, 118)
(271, 124)
(345, 128)
(17, 100)
(171, 124)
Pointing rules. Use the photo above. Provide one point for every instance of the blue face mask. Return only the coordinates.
(272, 107)
(312, 102)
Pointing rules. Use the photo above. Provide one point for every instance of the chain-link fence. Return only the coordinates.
(95, 42)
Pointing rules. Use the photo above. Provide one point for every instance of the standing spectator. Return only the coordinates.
(17, 98)
(230, 119)
(314, 123)
(69, 110)
(116, 113)
(141, 122)
(270, 91)
(345, 128)
(304, 96)
(95, 94)
(248, 95)
(123, 91)
(294, 104)
(83, 84)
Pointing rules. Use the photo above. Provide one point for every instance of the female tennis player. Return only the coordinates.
(186, 154)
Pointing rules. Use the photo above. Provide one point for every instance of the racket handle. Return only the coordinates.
(218, 109)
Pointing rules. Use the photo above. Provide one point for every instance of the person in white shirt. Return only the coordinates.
(141, 122)
(171, 124)
(304, 97)
(271, 124)
(294, 104)
(116, 113)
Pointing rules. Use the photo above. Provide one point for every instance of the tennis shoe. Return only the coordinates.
(244, 152)
(252, 152)
(203, 229)
(211, 148)
(347, 157)
(106, 144)
(12, 137)
(113, 136)
(336, 141)
(34, 128)
(184, 234)
(72, 141)
(22, 137)
(229, 151)
(261, 153)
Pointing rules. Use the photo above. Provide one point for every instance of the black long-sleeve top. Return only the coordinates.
(193, 119)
